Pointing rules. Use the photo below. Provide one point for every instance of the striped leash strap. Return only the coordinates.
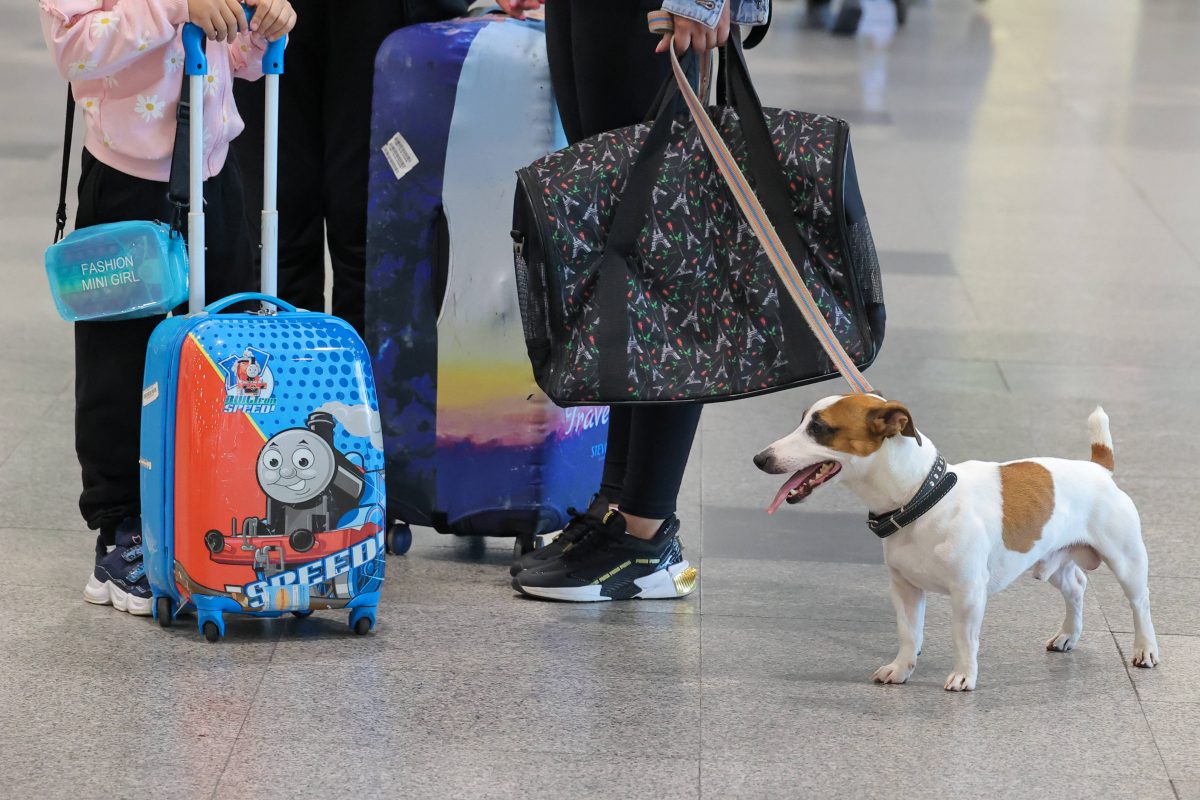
(661, 22)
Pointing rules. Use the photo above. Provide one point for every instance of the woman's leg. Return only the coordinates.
(659, 442)
(606, 75)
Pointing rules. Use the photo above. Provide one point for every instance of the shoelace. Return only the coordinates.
(592, 537)
(576, 529)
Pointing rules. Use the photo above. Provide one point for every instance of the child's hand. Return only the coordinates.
(272, 18)
(219, 19)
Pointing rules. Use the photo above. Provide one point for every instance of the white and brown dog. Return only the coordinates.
(970, 529)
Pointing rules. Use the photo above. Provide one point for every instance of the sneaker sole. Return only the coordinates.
(108, 593)
(677, 580)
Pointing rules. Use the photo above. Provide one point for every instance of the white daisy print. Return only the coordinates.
(111, 82)
(107, 142)
(210, 84)
(88, 104)
(104, 23)
(143, 43)
(80, 68)
(173, 61)
(149, 107)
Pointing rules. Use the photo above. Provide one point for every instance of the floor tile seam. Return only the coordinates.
(1142, 707)
(26, 528)
(246, 716)
(1150, 728)
(29, 432)
(886, 625)
(1141, 365)
(1150, 206)
(1188, 703)
(748, 761)
(1003, 376)
(615, 675)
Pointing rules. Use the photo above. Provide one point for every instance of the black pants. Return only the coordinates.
(324, 143)
(110, 356)
(605, 75)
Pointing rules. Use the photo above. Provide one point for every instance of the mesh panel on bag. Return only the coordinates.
(866, 262)
(532, 284)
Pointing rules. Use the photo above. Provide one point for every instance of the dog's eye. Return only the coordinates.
(820, 429)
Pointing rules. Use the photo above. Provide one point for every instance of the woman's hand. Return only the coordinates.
(273, 19)
(695, 35)
(517, 8)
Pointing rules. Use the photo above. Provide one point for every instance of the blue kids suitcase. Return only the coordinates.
(261, 454)
(473, 446)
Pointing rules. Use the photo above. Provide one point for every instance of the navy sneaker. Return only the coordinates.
(607, 563)
(120, 578)
(576, 529)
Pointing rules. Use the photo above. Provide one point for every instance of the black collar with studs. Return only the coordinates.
(937, 485)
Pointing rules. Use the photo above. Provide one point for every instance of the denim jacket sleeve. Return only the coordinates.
(707, 12)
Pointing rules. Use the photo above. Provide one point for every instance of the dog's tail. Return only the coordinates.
(1102, 443)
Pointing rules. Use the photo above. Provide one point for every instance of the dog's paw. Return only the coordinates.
(1062, 642)
(959, 682)
(1146, 655)
(892, 673)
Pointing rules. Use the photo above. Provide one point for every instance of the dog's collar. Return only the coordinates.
(937, 485)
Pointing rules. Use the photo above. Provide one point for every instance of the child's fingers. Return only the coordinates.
(230, 23)
(216, 26)
(243, 23)
(269, 26)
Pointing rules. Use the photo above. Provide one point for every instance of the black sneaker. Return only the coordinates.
(576, 529)
(609, 564)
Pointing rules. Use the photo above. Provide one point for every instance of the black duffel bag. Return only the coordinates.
(641, 265)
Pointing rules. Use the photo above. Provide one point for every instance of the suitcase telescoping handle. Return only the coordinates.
(196, 67)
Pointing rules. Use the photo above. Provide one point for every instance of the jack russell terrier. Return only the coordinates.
(969, 529)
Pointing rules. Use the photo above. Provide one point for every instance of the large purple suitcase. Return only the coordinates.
(473, 446)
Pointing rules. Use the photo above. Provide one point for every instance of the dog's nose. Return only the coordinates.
(763, 460)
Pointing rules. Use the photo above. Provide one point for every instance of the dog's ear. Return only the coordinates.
(890, 419)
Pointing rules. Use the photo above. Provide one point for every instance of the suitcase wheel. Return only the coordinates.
(302, 613)
(162, 611)
(399, 538)
(362, 620)
(212, 626)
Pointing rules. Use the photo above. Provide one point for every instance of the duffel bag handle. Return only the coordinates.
(770, 181)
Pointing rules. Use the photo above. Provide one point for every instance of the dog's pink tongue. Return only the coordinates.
(782, 494)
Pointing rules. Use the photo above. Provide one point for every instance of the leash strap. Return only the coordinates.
(756, 217)
(937, 485)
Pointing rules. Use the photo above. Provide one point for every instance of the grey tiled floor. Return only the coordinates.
(1032, 172)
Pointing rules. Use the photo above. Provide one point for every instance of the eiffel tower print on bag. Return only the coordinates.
(643, 280)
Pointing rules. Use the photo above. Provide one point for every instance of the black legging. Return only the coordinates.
(605, 75)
